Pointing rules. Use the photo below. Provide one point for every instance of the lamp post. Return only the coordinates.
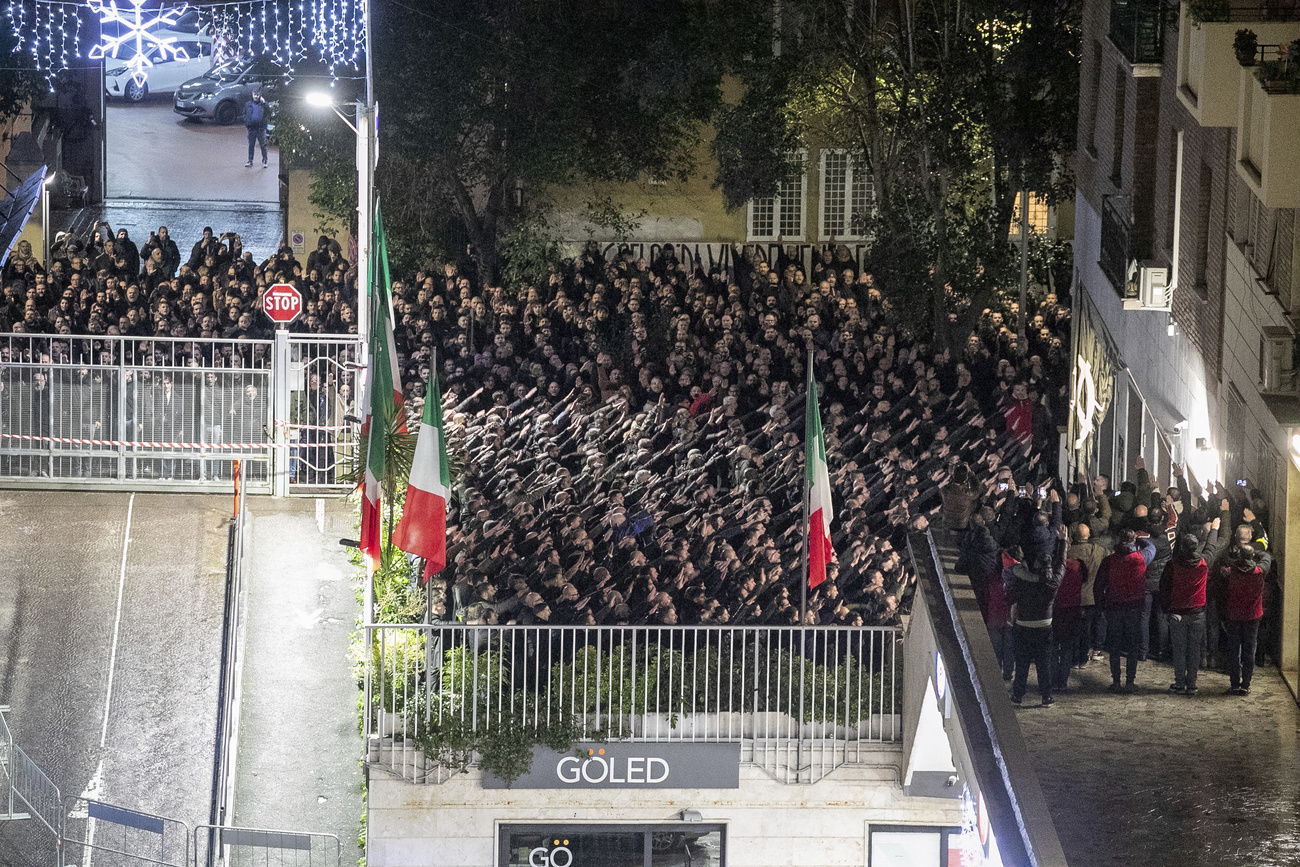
(367, 133)
(45, 219)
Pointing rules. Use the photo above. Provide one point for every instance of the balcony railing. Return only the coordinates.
(1137, 27)
(798, 702)
(1116, 233)
(1210, 11)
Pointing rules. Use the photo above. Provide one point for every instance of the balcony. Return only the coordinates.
(1268, 127)
(1208, 71)
(1116, 240)
(1137, 27)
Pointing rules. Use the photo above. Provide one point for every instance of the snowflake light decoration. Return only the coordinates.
(137, 29)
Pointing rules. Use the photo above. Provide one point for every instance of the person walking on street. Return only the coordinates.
(1182, 595)
(255, 122)
(1032, 592)
(1120, 589)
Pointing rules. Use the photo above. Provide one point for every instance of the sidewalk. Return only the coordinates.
(299, 745)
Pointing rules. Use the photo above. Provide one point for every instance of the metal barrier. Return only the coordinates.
(259, 847)
(115, 836)
(115, 412)
(29, 786)
(799, 701)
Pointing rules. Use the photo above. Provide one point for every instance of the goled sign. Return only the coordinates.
(630, 766)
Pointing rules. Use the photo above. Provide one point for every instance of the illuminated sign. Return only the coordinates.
(631, 766)
(1086, 407)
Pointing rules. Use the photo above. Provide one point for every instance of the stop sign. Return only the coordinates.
(282, 303)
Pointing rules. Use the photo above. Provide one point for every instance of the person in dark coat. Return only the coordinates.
(1032, 593)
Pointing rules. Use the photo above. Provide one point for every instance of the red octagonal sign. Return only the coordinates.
(282, 303)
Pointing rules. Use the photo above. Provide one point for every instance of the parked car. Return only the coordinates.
(220, 93)
(165, 72)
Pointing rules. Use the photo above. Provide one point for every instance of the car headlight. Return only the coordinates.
(116, 73)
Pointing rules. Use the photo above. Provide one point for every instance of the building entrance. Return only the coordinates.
(560, 845)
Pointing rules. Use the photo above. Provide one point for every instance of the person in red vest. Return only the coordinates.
(1019, 413)
(1242, 577)
(1121, 590)
(1067, 620)
(1182, 596)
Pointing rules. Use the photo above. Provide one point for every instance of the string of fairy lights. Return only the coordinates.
(59, 35)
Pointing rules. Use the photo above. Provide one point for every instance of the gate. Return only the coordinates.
(107, 412)
(322, 421)
(29, 793)
(259, 847)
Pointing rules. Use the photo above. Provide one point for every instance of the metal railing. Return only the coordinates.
(799, 701)
(116, 412)
(121, 837)
(1227, 11)
(1137, 28)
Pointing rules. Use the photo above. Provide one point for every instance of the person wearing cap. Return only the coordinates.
(1120, 589)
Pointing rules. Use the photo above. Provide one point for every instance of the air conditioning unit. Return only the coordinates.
(1148, 288)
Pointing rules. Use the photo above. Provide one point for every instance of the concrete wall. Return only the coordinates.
(456, 823)
(302, 217)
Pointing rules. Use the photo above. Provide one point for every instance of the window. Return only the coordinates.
(915, 846)
(781, 215)
(1095, 80)
(1117, 132)
(847, 195)
(1201, 251)
(561, 845)
(1038, 216)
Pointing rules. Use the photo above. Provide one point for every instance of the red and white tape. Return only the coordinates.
(130, 444)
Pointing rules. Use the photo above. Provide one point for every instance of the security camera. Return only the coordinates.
(952, 780)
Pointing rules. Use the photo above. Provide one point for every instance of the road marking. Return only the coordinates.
(97, 781)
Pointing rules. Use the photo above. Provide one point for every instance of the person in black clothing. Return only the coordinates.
(255, 123)
(1032, 592)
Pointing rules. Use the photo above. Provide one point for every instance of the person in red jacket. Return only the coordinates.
(1121, 589)
(1182, 596)
(997, 616)
(1243, 581)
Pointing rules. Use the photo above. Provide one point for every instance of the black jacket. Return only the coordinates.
(1033, 592)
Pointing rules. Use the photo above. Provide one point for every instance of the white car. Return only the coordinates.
(164, 73)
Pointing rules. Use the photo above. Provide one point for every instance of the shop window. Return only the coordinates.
(566, 845)
(915, 846)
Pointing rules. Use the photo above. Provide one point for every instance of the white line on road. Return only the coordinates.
(97, 781)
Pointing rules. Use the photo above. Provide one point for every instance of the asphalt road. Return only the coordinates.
(154, 153)
(110, 642)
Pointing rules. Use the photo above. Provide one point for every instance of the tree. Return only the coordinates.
(20, 83)
(485, 104)
(953, 106)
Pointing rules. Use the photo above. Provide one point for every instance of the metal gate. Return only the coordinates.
(174, 414)
(259, 847)
(28, 792)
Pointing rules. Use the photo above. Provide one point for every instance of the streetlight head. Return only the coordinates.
(49, 179)
(320, 99)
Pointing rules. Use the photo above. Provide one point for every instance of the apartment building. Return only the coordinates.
(1188, 174)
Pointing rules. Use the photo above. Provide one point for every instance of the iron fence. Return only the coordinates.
(27, 785)
(799, 701)
(113, 836)
(130, 412)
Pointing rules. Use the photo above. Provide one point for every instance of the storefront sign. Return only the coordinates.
(631, 766)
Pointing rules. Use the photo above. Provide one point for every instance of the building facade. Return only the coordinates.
(1186, 295)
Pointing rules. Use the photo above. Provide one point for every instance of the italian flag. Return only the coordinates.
(818, 486)
(423, 528)
(383, 403)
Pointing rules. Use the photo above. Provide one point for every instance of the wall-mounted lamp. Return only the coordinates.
(692, 816)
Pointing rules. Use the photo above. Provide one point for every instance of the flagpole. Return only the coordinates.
(803, 558)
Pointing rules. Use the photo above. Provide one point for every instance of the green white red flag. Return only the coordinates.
(818, 486)
(383, 400)
(423, 528)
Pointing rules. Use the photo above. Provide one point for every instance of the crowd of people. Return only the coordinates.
(629, 434)
(1183, 576)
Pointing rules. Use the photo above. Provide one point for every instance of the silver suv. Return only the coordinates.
(220, 93)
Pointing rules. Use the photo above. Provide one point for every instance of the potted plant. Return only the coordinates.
(1245, 45)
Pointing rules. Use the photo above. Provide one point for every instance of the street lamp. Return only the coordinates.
(367, 133)
(45, 218)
